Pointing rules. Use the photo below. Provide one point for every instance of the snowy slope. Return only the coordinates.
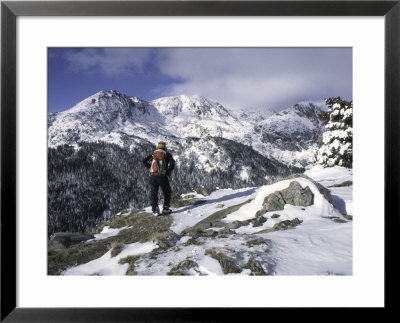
(317, 246)
(196, 116)
(104, 116)
(289, 136)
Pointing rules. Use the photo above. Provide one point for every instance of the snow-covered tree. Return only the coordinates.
(337, 140)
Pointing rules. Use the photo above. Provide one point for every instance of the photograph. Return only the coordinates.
(200, 161)
(179, 161)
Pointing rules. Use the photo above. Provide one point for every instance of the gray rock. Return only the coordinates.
(226, 231)
(255, 267)
(182, 268)
(177, 201)
(234, 225)
(258, 221)
(296, 195)
(323, 190)
(205, 191)
(260, 212)
(66, 239)
(283, 225)
(273, 202)
(214, 220)
(193, 242)
(202, 233)
(257, 242)
(219, 206)
(274, 216)
(227, 264)
(287, 224)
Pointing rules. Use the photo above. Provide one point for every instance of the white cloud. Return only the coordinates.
(258, 77)
(109, 61)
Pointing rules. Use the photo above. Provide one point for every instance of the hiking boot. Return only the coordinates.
(166, 210)
(156, 212)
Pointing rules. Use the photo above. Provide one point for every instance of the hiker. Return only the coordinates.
(160, 163)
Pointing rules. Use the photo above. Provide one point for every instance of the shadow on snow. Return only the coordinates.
(220, 199)
(339, 203)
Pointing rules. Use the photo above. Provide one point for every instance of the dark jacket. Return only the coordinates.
(168, 159)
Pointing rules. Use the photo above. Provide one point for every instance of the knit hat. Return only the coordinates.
(161, 145)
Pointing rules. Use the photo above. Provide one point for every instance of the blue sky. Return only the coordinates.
(256, 78)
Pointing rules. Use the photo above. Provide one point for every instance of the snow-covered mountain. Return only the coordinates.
(289, 136)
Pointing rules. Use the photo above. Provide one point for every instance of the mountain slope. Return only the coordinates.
(89, 184)
(289, 136)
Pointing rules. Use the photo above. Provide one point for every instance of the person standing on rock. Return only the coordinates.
(160, 163)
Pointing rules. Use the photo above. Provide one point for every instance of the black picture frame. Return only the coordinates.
(10, 10)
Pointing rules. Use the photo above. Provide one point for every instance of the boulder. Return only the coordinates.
(323, 190)
(258, 221)
(295, 194)
(273, 202)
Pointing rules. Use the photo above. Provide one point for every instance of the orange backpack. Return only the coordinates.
(158, 165)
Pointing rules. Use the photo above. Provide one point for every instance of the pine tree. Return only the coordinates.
(337, 141)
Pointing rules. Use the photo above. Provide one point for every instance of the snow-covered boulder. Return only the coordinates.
(295, 194)
(297, 197)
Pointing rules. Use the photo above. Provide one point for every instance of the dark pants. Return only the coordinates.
(155, 182)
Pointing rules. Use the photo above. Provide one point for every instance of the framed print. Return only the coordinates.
(164, 83)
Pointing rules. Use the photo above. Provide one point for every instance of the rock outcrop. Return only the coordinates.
(295, 194)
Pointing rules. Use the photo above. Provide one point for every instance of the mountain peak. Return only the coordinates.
(307, 109)
(195, 105)
(186, 98)
(107, 94)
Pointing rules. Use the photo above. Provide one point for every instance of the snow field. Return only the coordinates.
(107, 265)
(318, 246)
(107, 232)
(187, 217)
